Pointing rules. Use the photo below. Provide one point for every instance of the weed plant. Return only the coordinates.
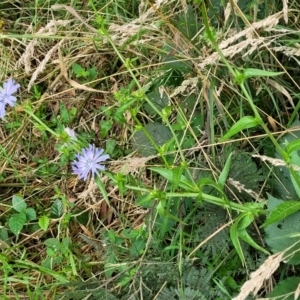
(149, 150)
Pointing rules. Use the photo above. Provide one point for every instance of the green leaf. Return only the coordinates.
(285, 289)
(16, 222)
(238, 231)
(284, 233)
(44, 222)
(92, 73)
(53, 243)
(145, 200)
(285, 185)
(102, 189)
(18, 203)
(56, 210)
(235, 240)
(79, 71)
(282, 211)
(209, 182)
(248, 73)
(160, 207)
(244, 235)
(159, 133)
(105, 127)
(244, 123)
(224, 174)
(177, 173)
(159, 100)
(30, 214)
(183, 183)
(292, 146)
(295, 175)
(245, 221)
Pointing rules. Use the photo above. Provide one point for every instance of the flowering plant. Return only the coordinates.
(89, 162)
(6, 95)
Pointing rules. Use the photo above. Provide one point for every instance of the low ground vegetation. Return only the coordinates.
(149, 149)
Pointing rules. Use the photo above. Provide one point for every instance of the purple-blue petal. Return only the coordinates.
(9, 99)
(88, 162)
(2, 110)
(10, 86)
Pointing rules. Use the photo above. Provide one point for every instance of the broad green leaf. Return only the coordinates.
(16, 222)
(44, 222)
(224, 174)
(56, 210)
(30, 214)
(248, 73)
(159, 100)
(295, 175)
(183, 183)
(283, 234)
(154, 136)
(18, 203)
(282, 211)
(285, 289)
(244, 123)
(285, 187)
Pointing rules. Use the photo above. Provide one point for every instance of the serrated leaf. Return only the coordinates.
(18, 203)
(159, 100)
(44, 222)
(282, 211)
(244, 123)
(284, 233)
(16, 222)
(283, 183)
(159, 134)
(295, 175)
(56, 210)
(30, 214)
(285, 289)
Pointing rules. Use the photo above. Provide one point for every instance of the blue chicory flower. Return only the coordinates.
(6, 95)
(88, 162)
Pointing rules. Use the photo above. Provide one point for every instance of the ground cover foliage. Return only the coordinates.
(196, 105)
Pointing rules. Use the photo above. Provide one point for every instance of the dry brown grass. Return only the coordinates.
(258, 277)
